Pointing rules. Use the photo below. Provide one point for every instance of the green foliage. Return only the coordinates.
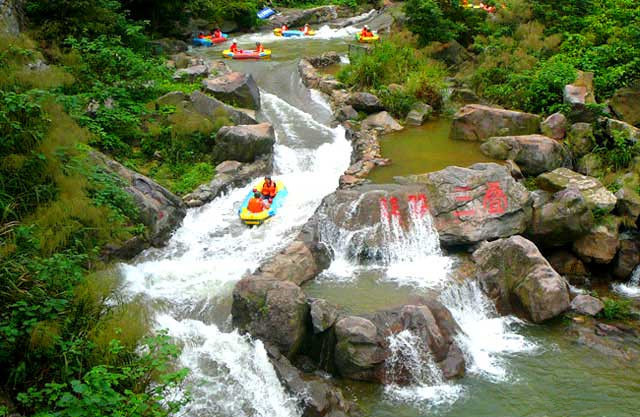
(198, 174)
(427, 20)
(618, 151)
(395, 62)
(616, 309)
(117, 390)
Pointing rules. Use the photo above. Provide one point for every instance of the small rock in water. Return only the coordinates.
(586, 304)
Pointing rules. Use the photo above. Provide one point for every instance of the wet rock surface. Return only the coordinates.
(515, 275)
(244, 143)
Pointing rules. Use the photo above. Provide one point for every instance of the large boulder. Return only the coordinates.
(560, 218)
(479, 123)
(580, 139)
(298, 17)
(10, 17)
(358, 352)
(323, 315)
(214, 108)
(628, 256)
(534, 154)
(595, 194)
(515, 275)
(272, 310)
(244, 143)
(554, 126)
(160, 210)
(235, 88)
(568, 265)
(365, 102)
(382, 122)
(625, 103)
(192, 73)
(591, 165)
(628, 204)
(578, 96)
(477, 203)
(600, 245)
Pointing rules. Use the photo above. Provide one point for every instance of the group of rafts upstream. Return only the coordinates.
(365, 36)
(268, 205)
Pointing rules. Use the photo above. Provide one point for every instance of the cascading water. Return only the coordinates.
(189, 282)
(631, 288)
(410, 361)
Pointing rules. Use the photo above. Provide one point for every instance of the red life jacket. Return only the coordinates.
(269, 189)
(255, 205)
(260, 48)
(234, 48)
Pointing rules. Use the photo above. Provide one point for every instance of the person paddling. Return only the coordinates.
(259, 47)
(234, 46)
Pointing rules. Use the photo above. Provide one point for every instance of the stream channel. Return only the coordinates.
(514, 369)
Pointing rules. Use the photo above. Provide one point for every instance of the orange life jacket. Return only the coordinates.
(365, 33)
(217, 34)
(234, 48)
(260, 48)
(269, 190)
(200, 36)
(255, 205)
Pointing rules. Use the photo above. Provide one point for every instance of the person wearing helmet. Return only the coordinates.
(366, 33)
(284, 27)
(259, 47)
(200, 35)
(234, 46)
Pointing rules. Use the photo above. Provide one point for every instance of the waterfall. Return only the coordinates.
(411, 362)
(631, 288)
(485, 335)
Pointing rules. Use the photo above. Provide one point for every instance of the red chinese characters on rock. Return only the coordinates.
(390, 208)
(494, 201)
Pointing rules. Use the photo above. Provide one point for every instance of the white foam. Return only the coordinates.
(427, 387)
(230, 374)
(631, 288)
(486, 337)
(322, 33)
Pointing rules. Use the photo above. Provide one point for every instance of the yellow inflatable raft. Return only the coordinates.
(252, 219)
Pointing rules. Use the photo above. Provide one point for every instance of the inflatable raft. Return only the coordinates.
(292, 33)
(367, 39)
(252, 219)
(208, 41)
(248, 54)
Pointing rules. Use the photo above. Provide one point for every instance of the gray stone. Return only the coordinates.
(534, 154)
(382, 122)
(628, 204)
(191, 73)
(586, 304)
(244, 143)
(580, 139)
(174, 98)
(10, 17)
(613, 126)
(595, 194)
(346, 112)
(365, 102)
(479, 123)
(214, 108)
(628, 256)
(323, 315)
(513, 268)
(625, 103)
(560, 219)
(234, 88)
(578, 96)
(419, 113)
(591, 165)
(600, 245)
(554, 126)
(567, 264)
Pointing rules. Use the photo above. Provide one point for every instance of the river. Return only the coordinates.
(515, 369)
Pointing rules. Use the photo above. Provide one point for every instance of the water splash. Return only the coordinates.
(322, 33)
(631, 288)
(486, 337)
(412, 362)
(230, 374)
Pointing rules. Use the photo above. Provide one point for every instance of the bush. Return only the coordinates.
(427, 20)
(616, 309)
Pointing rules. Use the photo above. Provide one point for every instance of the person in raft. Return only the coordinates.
(268, 189)
(305, 29)
(256, 204)
(200, 35)
(366, 33)
(284, 27)
(234, 46)
(259, 47)
(217, 33)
